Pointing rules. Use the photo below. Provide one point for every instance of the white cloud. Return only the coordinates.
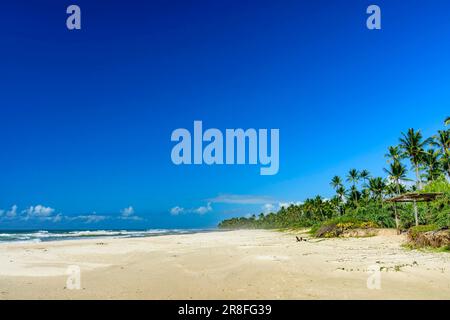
(126, 212)
(12, 212)
(203, 209)
(268, 207)
(43, 213)
(57, 218)
(288, 204)
(200, 210)
(39, 211)
(176, 210)
(241, 199)
(90, 218)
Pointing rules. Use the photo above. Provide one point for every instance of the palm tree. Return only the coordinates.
(447, 121)
(336, 182)
(336, 203)
(353, 177)
(377, 186)
(354, 195)
(318, 205)
(365, 195)
(364, 175)
(432, 164)
(394, 154)
(397, 174)
(341, 192)
(442, 140)
(413, 145)
(445, 162)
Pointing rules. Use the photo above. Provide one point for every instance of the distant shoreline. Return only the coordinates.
(31, 236)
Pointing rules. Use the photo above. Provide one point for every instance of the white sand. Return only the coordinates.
(223, 265)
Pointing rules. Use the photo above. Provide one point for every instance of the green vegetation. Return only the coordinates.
(338, 226)
(429, 236)
(359, 201)
(416, 230)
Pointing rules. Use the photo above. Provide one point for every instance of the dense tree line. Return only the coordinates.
(360, 196)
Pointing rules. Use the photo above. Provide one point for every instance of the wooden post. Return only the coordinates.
(416, 216)
(396, 218)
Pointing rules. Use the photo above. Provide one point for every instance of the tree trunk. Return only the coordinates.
(397, 222)
(416, 215)
(419, 182)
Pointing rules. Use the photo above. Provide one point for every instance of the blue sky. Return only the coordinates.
(87, 115)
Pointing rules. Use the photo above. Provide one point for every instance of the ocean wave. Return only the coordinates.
(49, 235)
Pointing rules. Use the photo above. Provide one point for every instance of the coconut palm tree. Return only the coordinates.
(354, 195)
(364, 175)
(394, 154)
(341, 192)
(445, 163)
(365, 195)
(336, 182)
(442, 140)
(432, 164)
(336, 204)
(412, 144)
(353, 177)
(397, 173)
(377, 186)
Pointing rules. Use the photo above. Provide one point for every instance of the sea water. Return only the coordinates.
(52, 235)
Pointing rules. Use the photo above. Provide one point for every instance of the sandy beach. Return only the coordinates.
(224, 265)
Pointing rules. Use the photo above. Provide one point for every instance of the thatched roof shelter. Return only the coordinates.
(415, 197)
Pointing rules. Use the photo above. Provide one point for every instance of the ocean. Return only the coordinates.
(52, 235)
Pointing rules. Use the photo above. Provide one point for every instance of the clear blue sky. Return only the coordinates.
(86, 116)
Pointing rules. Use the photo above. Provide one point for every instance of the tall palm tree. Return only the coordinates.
(365, 195)
(336, 203)
(353, 177)
(442, 140)
(364, 175)
(394, 154)
(354, 194)
(318, 204)
(336, 182)
(341, 192)
(377, 186)
(397, 173)
(445, 163)
(412, 144)
(432, 164)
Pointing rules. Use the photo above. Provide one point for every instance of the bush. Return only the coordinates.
(416, 230)
(383, 216)
(336, 227)
(429, 236)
